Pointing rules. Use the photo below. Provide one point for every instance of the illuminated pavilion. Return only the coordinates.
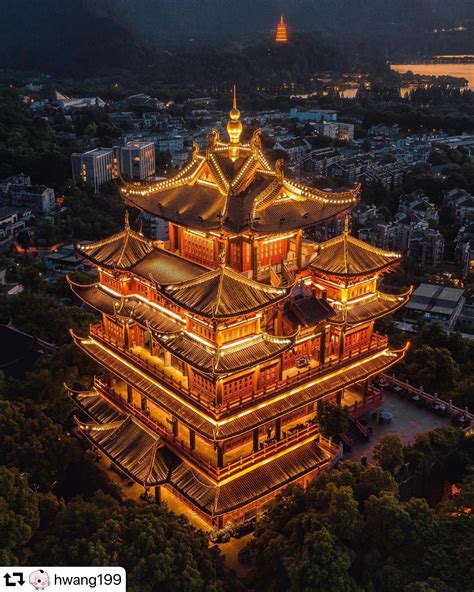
(218, 350)
(281, 34)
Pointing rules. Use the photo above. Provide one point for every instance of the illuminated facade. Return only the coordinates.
(218, 350)
(281, 35)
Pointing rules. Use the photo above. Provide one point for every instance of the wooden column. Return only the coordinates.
(278, 429)
(322, 350)
(255, 435)
(126, 335)
(341, 344)
(158, 494)
(219, 392)
(365, 387)
(279, 319)
(109, 379)
(144, 404)
(220, 454)
(129, 394)
(299, 249)
(339, 397)
(254, 259)
(167, 358)
(192, 439)
(175, 427)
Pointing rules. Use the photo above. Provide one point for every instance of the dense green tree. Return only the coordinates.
(158, 549)
(388, 452)
(333, 420)
(19, 514)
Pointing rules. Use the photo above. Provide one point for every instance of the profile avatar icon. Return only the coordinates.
(39, 579)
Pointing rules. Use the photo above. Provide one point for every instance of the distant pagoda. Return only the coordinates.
(218, 350)
(281, 35)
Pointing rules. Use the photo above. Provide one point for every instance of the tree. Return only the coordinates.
(24, 240)
(19, 515)
(333, 420)
(322, 564)
(388, 452)
(434, 368)
(159, 550)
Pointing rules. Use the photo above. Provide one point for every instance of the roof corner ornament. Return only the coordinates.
(256, 141)
(279, 169)
(346, 224)
(213, 137)
(126, 221)
(196, 148)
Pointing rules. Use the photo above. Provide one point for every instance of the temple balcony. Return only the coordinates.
(295, 433)
(171, 376)
(291, 377)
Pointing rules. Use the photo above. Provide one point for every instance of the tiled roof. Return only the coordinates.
(348, 256)
(218, 499)
(218, 191)
(130, 251)
(246, 419)
(128, 307)
(379, 306)
(223, 293)
(226, 360)
(119, 251)
(143, 456)
(137, 451)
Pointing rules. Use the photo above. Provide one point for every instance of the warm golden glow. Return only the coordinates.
(281, 35)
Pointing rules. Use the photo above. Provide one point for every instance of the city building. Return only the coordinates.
(313, 115)
(218, 352)
(295, 148)
(136, 160)
(433, 303)
(416, 207)
(336, 130)
(12, 220)
(319, 161)
(461, 205)
(464, 248)
(94, 168)
(421, 244)
(37, 198)
(281, 34)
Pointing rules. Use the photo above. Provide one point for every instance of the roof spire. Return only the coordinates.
(234, 126)
(126, 222)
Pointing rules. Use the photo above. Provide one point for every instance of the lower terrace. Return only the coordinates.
(296, 431)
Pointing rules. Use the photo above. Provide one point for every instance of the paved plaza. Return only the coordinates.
(408, 421)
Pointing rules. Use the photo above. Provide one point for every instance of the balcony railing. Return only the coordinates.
(377, 343)
(307, 432)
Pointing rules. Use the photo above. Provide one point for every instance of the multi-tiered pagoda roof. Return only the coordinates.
(218, 349)
(233, 187)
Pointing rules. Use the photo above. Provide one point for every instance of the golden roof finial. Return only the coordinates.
(234, 126)
(126, 222)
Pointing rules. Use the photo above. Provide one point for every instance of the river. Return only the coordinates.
(457, 70)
